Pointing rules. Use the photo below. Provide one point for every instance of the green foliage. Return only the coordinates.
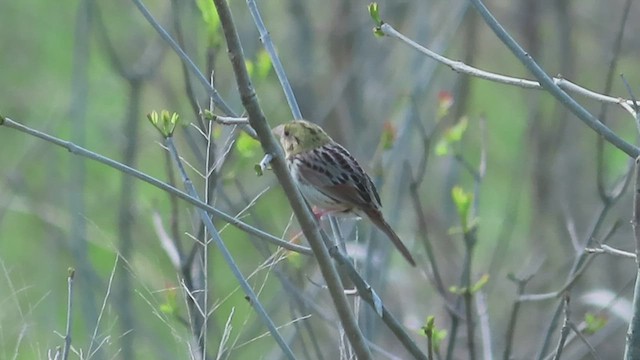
(431, 331)
(208, 115)
(247, 146)
(474, 288)
(211, 20)
(260, 68)
(462, 200)
(451, 136)
(263, 64)
(170, 305)
(164, 122)
(484, 280)
(374, 12)
(594, 323)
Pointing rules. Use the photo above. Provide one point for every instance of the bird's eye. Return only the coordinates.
(286, 133)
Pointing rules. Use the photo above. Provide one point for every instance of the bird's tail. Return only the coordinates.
(376, 217)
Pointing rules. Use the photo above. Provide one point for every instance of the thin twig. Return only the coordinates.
(485, 329)
(275, 60)
(565, 329)
(606, 249)
(515, 312)
(616, 50)
(217, 240)
(67, 336)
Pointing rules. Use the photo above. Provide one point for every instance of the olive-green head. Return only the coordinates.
(300, 136)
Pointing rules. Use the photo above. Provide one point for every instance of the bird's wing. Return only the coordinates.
(334, 172)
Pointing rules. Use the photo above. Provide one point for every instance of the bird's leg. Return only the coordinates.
(319, 213)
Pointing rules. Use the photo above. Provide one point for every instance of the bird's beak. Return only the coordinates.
(278, 131)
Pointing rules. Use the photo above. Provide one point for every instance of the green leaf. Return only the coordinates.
(438, 338)
(454, 133)
(484, 279)
(374, 12)
(208, 115)
(211, 19)
(462, 200)
(427, 330)
(170, 305)
(594, 323)
(430, 330)
(249, 65)
(451, 135)
(247, 146)
(442, 147)
(165, 122)
(263, 65)
(167, 309)
(296, 260)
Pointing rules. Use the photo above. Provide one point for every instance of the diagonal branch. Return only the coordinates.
(552, 87)
(270, 146)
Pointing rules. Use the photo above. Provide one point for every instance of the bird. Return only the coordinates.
(331, 179)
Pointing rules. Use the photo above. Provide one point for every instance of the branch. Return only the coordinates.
(550, 85)
(554, 86)
(67, 334)
(632, 346)
(270, 146)
(275, 61)
(211, 91)
(215, 235)
(77, 150)
(565, 328)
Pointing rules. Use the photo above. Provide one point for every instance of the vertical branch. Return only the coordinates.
(470, 240)
(513, 318)
(78, 238)
(565, 329)
(217, 240)
(125, 220)
(67, 336)
(632, 346)
(613, 64)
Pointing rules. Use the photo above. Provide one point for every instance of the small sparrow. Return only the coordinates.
(330, 178)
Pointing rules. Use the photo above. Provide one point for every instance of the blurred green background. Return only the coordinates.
(89, 72)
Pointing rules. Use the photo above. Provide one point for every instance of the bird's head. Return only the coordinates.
(300, 136)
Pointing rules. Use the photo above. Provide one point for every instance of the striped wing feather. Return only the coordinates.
(335, 173)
